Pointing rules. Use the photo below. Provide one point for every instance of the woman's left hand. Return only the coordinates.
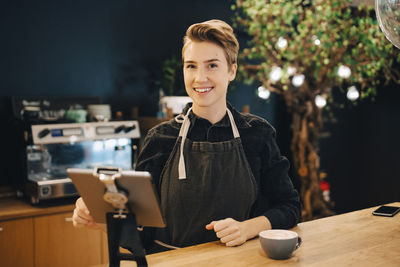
(229, 231)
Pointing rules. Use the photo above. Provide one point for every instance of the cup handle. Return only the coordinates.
(299, 241)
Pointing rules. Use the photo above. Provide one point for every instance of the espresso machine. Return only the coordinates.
(56, 147)
(48, 141)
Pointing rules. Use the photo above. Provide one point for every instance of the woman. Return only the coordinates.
(219, 173)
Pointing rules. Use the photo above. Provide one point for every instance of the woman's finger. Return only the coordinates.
(236, 242)
(225, 232)
(230, 238)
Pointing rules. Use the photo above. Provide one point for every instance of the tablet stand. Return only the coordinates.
(122, 230)
(121, 225)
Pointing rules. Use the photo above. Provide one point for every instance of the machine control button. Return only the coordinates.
(119, 129)
(130, 128)
(43, 133)
(45, 191)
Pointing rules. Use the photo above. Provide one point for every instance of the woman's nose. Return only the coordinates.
(201, 75)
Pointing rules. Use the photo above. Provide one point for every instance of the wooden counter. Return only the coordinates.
(36, 236)
(13, 208)
(352, 239)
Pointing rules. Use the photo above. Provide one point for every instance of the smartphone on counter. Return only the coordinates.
(388, 211)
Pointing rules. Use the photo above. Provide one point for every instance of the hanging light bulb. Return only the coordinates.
(316, 40)
(263, 92)
(291, 71)
(320, 101)
(275, 74)
(298, 80)
(352, 93)
(282, 43)
(344, 72)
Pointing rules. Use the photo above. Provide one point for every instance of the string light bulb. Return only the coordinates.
(344, 71)
(282, 43)
(320, 101)
(352, 93)
(275, 74)
(263, 92)
(298, 80)
(316, 40)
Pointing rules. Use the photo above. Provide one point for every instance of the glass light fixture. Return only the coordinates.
(352, 93)
(275, 74)
(263, 92)
(298, 80)
(320, 101)
(388, 14)
(344, 71)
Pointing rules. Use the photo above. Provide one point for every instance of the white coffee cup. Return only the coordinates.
(279, 244)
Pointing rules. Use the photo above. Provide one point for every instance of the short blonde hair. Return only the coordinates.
(215, 31)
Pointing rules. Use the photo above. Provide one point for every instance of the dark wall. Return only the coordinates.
(110, 49)
(361, 156)
(78, 47)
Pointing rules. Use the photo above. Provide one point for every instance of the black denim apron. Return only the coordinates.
(219, 184)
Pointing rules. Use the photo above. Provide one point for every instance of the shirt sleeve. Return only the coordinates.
(284, 202)
(153, 155)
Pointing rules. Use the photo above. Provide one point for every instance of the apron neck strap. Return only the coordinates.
(183, 133)
(233, 124)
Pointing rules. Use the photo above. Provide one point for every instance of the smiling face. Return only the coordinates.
(207, 76)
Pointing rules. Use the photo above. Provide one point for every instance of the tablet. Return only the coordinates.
(142, 199)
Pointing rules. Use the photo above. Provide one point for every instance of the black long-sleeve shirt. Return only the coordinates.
(276, 197)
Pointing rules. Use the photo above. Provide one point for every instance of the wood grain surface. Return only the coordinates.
(352, 239)
(13, 208)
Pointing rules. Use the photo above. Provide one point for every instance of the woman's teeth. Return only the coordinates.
(202, 90)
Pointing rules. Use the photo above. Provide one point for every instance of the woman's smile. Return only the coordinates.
(203, 90)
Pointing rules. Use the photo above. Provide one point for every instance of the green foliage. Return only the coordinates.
(321, 35)
(172, 76)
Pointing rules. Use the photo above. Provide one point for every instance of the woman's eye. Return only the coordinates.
(212, 66)
(190, 66)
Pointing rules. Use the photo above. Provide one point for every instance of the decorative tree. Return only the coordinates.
(304, 50)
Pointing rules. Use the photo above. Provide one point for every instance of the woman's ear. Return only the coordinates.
(232, 72)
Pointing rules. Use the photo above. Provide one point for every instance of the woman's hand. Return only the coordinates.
(229, 231)
(235, 233)
(82, 217)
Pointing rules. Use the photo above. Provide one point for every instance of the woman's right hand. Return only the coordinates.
(82, 217)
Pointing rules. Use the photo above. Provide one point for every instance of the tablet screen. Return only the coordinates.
(142, 199)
